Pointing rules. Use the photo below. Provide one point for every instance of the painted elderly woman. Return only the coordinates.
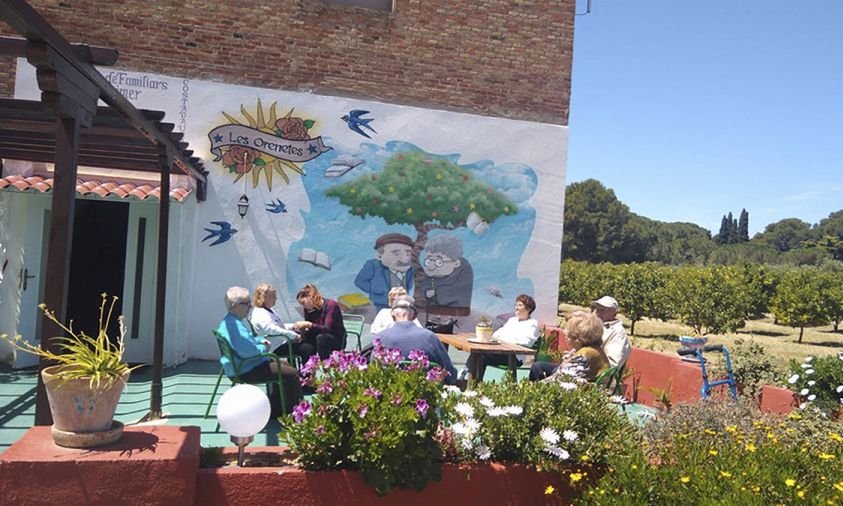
(247, 347)
(585, 334)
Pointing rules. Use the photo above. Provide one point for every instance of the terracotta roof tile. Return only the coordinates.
(102, 189)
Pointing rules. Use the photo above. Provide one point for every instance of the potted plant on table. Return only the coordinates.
(85, 384)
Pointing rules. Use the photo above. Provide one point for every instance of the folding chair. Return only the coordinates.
(229, 353)
(536, 346)
(612, 379)
(354, 325)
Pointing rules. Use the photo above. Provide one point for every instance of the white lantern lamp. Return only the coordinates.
(242, 412)
(243, 206)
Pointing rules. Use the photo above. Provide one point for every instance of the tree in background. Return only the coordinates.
(637, 288)
(424, 191)
(725, 226)
(597, 226)
(713, 299)
(787, 234)
(743, 226)
(760, 282)
(800, 300)
(833, 281)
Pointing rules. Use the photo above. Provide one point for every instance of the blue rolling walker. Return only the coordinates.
(708, 386)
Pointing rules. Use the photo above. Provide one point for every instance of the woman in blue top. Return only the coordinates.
(246, 346)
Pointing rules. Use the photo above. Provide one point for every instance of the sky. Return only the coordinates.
(692, 109)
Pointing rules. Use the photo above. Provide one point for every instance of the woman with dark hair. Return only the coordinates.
(322, 329)
(521, 329)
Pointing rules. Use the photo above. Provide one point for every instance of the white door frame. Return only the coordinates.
(140, 297)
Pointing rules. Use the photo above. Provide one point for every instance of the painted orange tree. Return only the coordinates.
(426, 192)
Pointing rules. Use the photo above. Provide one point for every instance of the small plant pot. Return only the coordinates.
(483, 333)
(77, 407)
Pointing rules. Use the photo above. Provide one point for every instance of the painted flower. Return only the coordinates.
(240, 159)
(293, 129)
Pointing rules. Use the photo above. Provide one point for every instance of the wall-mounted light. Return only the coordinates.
(242, 412)
(243, 206)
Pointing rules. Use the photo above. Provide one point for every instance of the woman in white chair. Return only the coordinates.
(266, 322)
(383, 320)
(521, 329)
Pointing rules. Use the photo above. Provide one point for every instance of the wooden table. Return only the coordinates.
(460, 342)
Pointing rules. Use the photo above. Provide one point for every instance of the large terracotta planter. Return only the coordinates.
(79, 409)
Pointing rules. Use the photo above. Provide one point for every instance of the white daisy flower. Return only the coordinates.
(549, 436)
(802, 406)
(460, 428)
(805, 366)
(567, 386)
(464, 409)
(793, 379)
(469, 394)
(466, 444)
(809, 371)
(812, 397)
(485, 401)
(570, 435)
(557, 452)
(804, 391)
(496, 411)
(514, 410)
(473, 425)
(808, 359)
(483, 452)
(840, 389)
(812, 383)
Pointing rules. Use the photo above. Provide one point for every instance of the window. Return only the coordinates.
(381, 5)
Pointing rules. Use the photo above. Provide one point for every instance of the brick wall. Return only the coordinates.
(506, 58)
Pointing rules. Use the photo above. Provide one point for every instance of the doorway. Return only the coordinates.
(97, 263)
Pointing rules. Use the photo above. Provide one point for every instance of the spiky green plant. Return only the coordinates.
(84, 357)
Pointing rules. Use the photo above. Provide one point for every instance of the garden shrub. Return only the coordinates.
(751, 366)
(819, 382)
(551, 425)
(374, 417)
(716, 452)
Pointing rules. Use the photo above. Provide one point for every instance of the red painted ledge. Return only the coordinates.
(149, 465)
(513, 484)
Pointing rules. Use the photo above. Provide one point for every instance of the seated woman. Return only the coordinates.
(383, 320)
(521, 329)
(266, 322)
(585, 333)
(246, 347)
(322, 329)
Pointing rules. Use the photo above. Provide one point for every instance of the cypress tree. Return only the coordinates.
(730, 229)
(723, 236)
(743, 226)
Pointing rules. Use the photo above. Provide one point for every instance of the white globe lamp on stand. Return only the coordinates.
(242, 412)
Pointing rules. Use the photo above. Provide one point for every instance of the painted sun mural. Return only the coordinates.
(263, 143)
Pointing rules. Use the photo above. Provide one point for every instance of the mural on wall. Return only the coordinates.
(357, 196)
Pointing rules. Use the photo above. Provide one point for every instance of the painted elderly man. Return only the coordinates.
(407, 336)
(391, 267)
(616, 343)
(449, 278)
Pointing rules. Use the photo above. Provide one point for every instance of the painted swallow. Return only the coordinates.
(276, 207)
(494, 291)
(356, 123)
(223, 234)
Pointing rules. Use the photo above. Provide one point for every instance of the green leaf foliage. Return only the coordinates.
(415, 188)
(801, 298)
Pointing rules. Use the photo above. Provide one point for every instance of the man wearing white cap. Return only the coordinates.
(616, 343)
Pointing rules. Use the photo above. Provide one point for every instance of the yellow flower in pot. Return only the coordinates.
(85, 385)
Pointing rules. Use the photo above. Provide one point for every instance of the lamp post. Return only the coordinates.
(242, 412)
(243, 206)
